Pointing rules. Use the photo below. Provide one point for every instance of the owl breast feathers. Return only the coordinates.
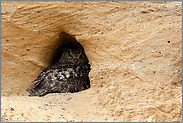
(69, 74)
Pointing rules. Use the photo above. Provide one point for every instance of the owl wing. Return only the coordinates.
(60, 78)
(52, 79)
(42, 76)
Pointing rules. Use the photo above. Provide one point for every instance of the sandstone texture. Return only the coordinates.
(135, 52)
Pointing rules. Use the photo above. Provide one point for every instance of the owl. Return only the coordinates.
(69, 74)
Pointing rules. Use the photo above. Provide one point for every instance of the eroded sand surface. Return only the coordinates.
(135, 51)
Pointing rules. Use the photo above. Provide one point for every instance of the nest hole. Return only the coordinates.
(65, 41)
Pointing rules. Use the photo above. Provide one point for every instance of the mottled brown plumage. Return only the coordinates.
(69, 74)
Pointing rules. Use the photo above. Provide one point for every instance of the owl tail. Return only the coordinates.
(36, 91)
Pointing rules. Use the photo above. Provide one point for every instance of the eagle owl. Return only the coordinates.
(69, 74)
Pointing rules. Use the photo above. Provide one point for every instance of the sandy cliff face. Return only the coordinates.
(135, 52)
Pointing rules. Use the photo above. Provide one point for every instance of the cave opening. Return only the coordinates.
(77, 77)
(65, 41)
(68, 70)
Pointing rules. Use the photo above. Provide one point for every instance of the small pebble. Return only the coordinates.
(28, 49)
(150, 62)
(6, 118)
(22, 114)
(69, 98)
(136, 93)
(23, 54)
(101, 77)
(12, 109)
(109, 77)
(63, 108)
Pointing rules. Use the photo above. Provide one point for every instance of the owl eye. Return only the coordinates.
(82, 56)
(70, 56)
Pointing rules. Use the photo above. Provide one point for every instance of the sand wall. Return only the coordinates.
(134, 48)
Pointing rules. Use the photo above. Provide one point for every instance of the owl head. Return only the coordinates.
(74, 56)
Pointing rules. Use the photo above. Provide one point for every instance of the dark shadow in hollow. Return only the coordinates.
(65, 41)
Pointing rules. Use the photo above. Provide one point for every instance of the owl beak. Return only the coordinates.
(76, 60)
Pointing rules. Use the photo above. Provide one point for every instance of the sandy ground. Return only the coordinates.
(135, 51)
